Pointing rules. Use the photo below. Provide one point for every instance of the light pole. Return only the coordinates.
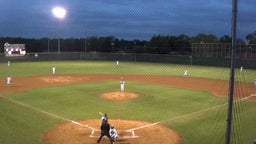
(59, 13)
(135, 50)
(48, 45)
(85, 42)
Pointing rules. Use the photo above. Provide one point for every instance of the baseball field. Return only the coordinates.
(159, 104)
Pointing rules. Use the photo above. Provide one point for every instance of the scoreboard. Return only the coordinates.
(11, 50)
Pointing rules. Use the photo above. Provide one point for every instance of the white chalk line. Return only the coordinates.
(252, 95)
(65, 119)
(132, 130)
(189, 114)
(50, 114)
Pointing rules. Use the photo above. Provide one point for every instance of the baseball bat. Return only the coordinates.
(101, 113)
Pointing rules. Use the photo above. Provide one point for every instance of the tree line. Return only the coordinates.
(158, 44)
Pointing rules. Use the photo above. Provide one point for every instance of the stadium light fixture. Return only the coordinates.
(59, 13)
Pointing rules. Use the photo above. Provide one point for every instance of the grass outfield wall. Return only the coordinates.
(191, 113)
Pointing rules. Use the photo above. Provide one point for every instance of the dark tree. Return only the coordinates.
(251, 38)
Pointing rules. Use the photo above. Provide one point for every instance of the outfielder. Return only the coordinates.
(122, 84)
(8, 63)
(241, 68)
(185, 72)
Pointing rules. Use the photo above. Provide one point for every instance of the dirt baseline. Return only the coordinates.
(216, 87)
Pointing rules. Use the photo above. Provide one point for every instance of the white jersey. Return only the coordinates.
(122, 85)
(8, 81)
(185, 72)
(241, 69)
(53, 70)
(113, 133)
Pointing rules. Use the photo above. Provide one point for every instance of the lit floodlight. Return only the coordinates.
(59, 12)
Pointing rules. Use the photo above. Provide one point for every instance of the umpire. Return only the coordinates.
(105, 131)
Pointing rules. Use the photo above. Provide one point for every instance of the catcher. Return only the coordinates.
(113, 133)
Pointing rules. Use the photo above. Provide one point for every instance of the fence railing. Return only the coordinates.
(216, 50)
(197, 59)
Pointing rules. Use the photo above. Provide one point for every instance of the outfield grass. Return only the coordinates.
(102, 67)
(181, 109)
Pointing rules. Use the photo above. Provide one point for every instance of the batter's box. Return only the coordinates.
(122, 134)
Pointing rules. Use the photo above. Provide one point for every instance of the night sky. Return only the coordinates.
(133, 19)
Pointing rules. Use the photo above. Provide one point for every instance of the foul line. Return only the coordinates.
(129, 130)
(50, 114)
(187, 115)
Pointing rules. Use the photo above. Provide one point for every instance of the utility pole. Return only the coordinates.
(232, 72)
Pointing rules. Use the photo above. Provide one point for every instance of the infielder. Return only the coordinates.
(117, 62)
(122, 84)
(8, 81)
(53, 70)
(255, 82)
(113, 133)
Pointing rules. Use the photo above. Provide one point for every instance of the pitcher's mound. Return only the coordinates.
(119, 96)
(87, 132)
